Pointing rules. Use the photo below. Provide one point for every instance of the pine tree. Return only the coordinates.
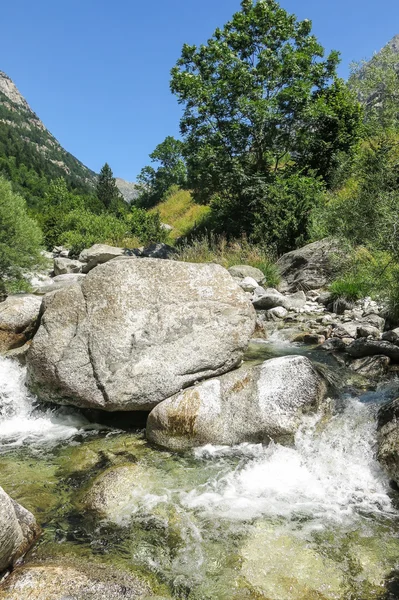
(107, 190)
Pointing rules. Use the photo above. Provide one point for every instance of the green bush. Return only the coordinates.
(365, 273)
(81, 229)
(20, 236)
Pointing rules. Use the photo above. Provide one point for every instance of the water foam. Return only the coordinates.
(22, 421)
(329, 476)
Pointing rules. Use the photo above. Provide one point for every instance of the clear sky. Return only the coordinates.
(97, 72)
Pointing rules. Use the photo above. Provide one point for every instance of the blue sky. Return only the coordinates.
(97, 72)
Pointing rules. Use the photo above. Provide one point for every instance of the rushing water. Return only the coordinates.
(313, 521)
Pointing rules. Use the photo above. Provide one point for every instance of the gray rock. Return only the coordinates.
(346, 330)
(136, 332)
(248, 284)
(242, 271)
(388, 438)
(310, 267)
(296, 300)
(392, 336)
(73, 580)
(98, 254)
(279, 312)
(366, 330)
(18, 318)
(60, 282)
(265, 299)
(18, 530)
(62, 266)
(367, 347)
(374, 320)
(334, 344)
(325, 298)
(370, 366)
(158, 251)
(255, 404)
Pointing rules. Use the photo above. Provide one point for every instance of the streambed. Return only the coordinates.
(314, 521)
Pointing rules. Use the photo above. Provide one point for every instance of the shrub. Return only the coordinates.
(20, 236)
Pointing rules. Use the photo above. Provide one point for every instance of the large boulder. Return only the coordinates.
(368, 347)
(18, 319)
(18, 530)
(59, 282)
(136, 332)
(310, 267)
(73, 580)
(255, 404)
(388, 438)
(99, 254)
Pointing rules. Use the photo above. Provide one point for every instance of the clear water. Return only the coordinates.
(314, 521)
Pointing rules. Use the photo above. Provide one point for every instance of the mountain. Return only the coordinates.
(30, 154)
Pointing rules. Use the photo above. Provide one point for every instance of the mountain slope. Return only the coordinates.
(23, 135)
(30, 154)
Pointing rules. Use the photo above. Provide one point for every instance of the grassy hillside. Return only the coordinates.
(181, 212)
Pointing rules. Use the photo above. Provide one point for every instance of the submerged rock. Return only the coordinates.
(255, 404)
(18, 318)
(71, 581)
(113, 491)
(136, 332)
(18, 530)
(284, 567)
(370, 366)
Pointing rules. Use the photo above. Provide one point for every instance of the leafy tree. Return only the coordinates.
(261, 103)
(171, 170)
(376, 84)
(107, 190)
(20, 236)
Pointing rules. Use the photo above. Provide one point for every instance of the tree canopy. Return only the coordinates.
(261, 101)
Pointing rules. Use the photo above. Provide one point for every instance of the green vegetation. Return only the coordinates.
(20, 238)
(171, 171)
(275, 151)
(179, 210)
(217, 249)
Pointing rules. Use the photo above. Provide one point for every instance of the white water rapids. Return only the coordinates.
(21, 422)
(314, 516)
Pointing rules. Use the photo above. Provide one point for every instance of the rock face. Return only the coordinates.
(308, 268)
(136, 332)
(388, 438)
(18, 530)
(256, 404)
(70, 581)
(18, 318)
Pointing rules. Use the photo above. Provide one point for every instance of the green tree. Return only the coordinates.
(20, 235)
(107, 190)
(261, 102)
(171, 170)
(376, 84)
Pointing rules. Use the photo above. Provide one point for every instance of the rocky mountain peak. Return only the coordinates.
(9, 89)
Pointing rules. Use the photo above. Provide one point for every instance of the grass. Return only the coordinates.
(218, 250)
(181, 212)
